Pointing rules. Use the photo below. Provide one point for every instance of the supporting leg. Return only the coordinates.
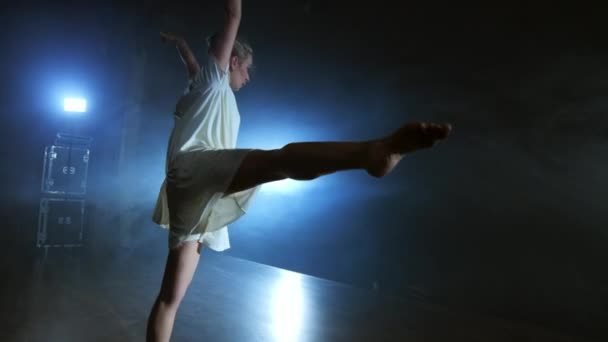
(179, 270)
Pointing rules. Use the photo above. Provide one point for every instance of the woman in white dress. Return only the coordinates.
(210, 183)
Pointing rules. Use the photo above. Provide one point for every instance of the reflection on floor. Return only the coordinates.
(67, 297)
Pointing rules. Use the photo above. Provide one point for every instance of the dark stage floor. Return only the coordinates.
(67, 297)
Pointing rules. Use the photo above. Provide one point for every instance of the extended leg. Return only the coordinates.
(181, 264)
(309, 160)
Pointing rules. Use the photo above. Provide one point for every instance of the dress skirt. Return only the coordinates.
(192, 202)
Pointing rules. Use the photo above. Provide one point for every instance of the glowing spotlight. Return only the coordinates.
(283, 186)
(288, 307)
(75, 105)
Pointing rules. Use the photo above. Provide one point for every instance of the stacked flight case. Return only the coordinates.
(63, 188)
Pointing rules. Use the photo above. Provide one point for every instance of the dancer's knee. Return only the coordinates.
(170, 299)
(293, 166)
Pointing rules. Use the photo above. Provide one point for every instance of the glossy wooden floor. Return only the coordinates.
(69, 298)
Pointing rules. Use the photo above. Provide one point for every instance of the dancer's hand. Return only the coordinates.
(167, 37)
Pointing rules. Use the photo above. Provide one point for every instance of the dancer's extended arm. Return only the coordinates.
(222, 49)
(184, 52)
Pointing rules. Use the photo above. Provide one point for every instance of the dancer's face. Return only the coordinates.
(239, 72)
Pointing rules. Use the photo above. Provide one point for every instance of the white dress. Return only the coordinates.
(201, 161)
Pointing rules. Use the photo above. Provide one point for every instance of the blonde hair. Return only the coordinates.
(241, 49)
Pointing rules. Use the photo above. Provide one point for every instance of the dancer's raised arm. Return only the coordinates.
(222, 48)
(184, 52)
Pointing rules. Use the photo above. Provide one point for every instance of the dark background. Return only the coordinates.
(505, 219)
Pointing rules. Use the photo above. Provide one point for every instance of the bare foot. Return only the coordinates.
(385, 154)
